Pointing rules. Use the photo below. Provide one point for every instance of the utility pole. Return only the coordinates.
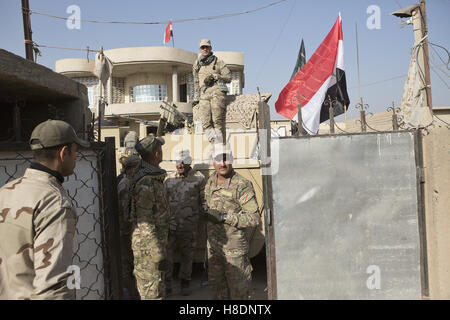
(418, 15)
(27, 30)
(420, 26)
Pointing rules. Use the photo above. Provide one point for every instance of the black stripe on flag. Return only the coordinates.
(338, 93)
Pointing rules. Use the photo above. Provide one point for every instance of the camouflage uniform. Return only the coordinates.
(125, 228)
(211, 109)
(150, 228)
(37, 227)
(229, 265)
(186, 196)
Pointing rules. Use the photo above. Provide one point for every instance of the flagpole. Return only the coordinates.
(171, 34)
(362, 113)
(299, 116)
(357, 62)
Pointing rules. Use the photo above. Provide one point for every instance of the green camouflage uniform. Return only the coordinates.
(150, 228)
(186, 196)
(37, 227)
(229, 268)
(211, 110)
(125, 236)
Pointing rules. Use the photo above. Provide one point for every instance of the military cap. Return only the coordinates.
(205, 42)
(184, 156)
(52, 133)
(221, 149)
(131, 161)
(148, 144)
(124, 153)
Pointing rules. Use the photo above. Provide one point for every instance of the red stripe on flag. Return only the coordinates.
(168, 32)
(312, 76)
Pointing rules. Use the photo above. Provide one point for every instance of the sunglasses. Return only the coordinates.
(223, 158)
(204, 47)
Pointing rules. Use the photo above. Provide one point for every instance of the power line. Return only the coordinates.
(64, 48)
(221, 16)
(448, 124)
(380, 81)
(276, 41)
(388, 79)
(441, 78)
(448, 54)
(398, 4)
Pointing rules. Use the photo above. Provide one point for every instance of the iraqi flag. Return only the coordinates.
(169, 33)
(322, 76)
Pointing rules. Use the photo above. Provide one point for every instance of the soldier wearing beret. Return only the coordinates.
(210, 76)
(185, 189)
(149, 214)
(38, 220)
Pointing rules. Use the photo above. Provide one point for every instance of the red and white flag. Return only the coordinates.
(321, 77)
(168, 34)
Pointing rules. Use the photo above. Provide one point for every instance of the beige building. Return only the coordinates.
(142, 77)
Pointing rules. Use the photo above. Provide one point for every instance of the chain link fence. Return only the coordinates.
(92, 252)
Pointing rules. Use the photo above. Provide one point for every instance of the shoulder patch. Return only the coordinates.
(245, 198)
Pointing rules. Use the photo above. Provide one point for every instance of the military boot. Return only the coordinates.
(185, 290)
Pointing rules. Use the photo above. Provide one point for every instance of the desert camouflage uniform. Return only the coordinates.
(186, 196)
(37, 227)
(229, 265)
(211, 110)
(150, 228)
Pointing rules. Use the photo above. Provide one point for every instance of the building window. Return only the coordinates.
(92, 96)
(234, 87)
(93, 89)
(148, 93)
(118, 90)
(183, 92)
(190, 86)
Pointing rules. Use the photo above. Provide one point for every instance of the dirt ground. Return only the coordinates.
(202, 291)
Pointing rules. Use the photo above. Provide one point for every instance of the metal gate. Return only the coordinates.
(92, 189)
(347, 218)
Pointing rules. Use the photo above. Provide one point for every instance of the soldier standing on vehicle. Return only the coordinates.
(230, 207)
(210, 76)
(149, 220)
(185, 189)
(38, 220)
(129, 165)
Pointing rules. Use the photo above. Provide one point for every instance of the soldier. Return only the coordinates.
(185, 189)
(149, 220)
(124, 154)
(230, 208)
(129, 165)
(210, 76)
(38, 220)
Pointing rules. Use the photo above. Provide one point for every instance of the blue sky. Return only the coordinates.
(270, 38)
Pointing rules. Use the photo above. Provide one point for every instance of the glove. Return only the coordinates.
(209, 81)
(215, 216)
